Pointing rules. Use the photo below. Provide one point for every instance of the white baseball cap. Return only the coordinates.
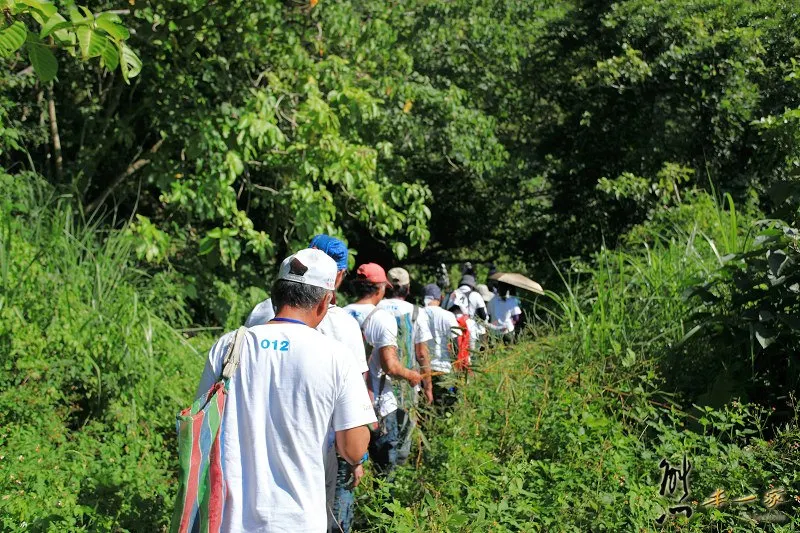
(310, 267)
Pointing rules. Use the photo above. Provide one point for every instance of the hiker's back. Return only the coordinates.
(276, 418)
(408, 324)
(401, 309)
(443, 326)
(396, 307)
(469, 300)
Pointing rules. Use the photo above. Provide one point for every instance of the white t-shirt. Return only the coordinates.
(441, 323)
(473, 300)
(380, 331)
(292, 385)
(501, 311)
(337, 324)
(398, 308)
(261, 314)
(340, 325)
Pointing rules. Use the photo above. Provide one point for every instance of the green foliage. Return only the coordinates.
(92, 373)
(151, 244)
(439, 131)
(99, 35)
(566, 430)
(749, 309)
(423, 133)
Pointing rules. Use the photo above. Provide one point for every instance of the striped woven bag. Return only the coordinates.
(201, 496)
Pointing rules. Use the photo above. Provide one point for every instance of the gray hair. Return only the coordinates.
(293, 294)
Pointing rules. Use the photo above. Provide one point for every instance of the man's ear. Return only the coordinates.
(322, 308)
(339, 278)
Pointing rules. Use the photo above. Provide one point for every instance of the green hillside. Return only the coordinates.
(93, 372)
(639, 158)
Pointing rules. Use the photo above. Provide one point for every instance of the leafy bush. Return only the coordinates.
(566, 432)
(92, 374)
(747, 313)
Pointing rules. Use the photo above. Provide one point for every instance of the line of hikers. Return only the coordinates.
(313, 390)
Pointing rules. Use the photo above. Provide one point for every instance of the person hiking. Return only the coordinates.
(413, 336)
(486, 293)
(468, 325)
(471, 303)
(264, 311)
(466, 297)
(337, 324)
(504, 312)
(291, 386)
(444, 328)
(385, 369)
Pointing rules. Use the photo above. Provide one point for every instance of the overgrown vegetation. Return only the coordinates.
(640, 157)
(93, 369)
(381, 121)
(566, 431)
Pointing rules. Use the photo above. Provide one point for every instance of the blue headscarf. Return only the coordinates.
(336, 249)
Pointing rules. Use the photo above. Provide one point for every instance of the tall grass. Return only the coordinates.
(566, 432)
(560, 433)
(92, 374)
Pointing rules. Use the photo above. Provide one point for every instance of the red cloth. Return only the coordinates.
(462, 342)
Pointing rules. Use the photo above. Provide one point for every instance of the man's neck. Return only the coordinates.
(373, 299)
(294, 313)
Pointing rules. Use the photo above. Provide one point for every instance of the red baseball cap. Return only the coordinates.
(373, 273)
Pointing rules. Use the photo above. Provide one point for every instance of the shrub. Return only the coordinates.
(566, 432)
(92, 374)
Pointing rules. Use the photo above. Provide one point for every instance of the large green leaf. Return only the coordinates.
(92, 43)
(42, 10)
(130, 64)
(12, 38)
(42, 58)
(54, 24)
(109, 22)
(110, 56)
(400, 249)
(77, 17)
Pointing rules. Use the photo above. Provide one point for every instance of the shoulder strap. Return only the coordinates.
(414, 315)
(364, 324)
(234, 353)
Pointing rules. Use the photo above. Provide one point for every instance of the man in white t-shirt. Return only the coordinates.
(466, 297)
(292, 385)
(504, 312)
(395, 303)
(444, 328)
(413, 346)
(339, 325)
(380, 332)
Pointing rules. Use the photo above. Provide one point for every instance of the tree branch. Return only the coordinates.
(262, 187)
(132, 168)
(51, 109)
